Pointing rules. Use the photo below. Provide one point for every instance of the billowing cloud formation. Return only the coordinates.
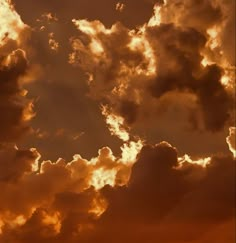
(52, 193)
(137, 71)
(188, 202)
(15, 109)
(146, 193)
(77, 114)
(57, 203)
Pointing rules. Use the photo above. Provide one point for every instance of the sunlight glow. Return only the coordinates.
(102, 177)
(115, 124)
(186, 158)
(231, 140)
(10, 22)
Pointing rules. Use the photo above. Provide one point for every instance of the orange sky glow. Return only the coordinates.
(117, 121)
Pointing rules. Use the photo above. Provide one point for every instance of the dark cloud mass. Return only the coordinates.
(14, 106)
(144, 82)
(59, 76)
(163, 201)
(189, 201)
(178, 53)
(117, 121)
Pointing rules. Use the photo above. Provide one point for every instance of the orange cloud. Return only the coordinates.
(144, 193)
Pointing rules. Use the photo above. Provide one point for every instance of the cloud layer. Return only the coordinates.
(170, 65)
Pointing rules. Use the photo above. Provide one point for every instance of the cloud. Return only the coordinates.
(134, 13)
(75, 112)
(40, 197)
(138, 106)
(146, 193)
(15, 108)
(15, 163)
(132, 71)
(11, 23)
(163, 203)
(231, 140)
(83, 200)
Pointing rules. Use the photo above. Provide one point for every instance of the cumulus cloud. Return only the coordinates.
(60, 79)
(189, 201)
(15, 108)
(146, 193)
(55, 200)
(133, 70)
(50, 194)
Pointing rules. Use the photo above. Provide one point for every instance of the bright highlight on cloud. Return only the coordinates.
(11, 23)
(231, 140)
(154, 60)
(15, 108)
(132, 191)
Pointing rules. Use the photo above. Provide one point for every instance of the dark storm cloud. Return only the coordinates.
(40, 229)
(205, 14)
(14, 107)
(60, 89)
(179, 65)
(141, 76)
(199, 16)
(120, 75)
(162, 203)
(15, 163)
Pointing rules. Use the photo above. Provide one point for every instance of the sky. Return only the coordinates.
(117, 121)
